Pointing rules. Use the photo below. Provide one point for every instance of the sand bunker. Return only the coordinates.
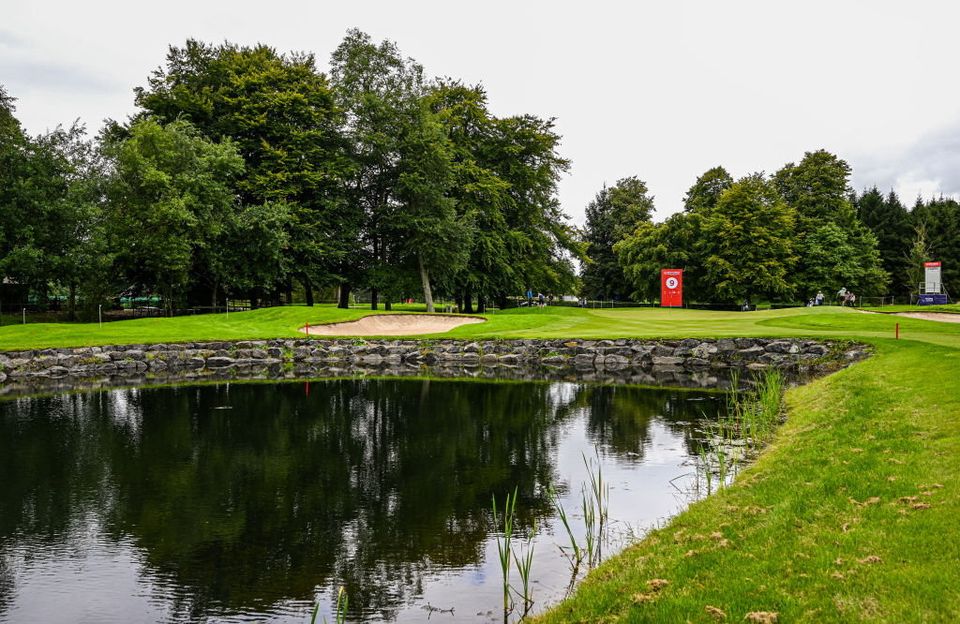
(943, 317)
(393, 325)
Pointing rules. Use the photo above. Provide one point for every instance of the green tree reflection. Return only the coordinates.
(242, 496)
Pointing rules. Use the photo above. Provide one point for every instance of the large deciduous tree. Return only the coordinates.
(706, 191)
(479, 193)
(49, 208)
(170, 200)
(280, 113)
(678, 242)
(523, 152)
(426, 225)
(613, 215)
(505, 174)
(817, 189)
(381, 92)
(749, 237)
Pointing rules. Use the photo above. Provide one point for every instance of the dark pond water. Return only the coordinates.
(251, 502)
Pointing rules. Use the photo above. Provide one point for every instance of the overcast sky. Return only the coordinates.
(661, 90)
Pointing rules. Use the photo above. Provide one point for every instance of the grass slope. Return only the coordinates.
(850, 515)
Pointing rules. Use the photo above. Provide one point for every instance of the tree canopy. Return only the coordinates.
(247, 173)
(780, 238)
(613, 214)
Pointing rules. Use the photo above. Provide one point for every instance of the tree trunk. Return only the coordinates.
(344, 296)
(72, 314)
(214, 295)
(460, 300)
(468, 301)
(373, 299)
(481, 304)
(502, 301)
(387, 305)
(425, 278)
(307, 290)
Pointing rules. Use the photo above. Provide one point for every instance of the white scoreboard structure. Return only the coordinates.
(932, 282)
(932, 291)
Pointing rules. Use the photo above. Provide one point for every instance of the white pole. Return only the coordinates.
(24, 316)
(100, 315)
(228, 308)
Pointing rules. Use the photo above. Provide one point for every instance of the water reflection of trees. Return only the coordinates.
(368, 483)
(619, 417)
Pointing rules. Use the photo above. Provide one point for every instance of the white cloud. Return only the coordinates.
(928, 167)
(663, 90)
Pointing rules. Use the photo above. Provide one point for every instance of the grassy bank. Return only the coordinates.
(850, 515)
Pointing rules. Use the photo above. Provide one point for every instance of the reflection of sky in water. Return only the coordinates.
(89, 572)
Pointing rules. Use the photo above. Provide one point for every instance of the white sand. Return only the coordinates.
(943, 317)
(394, 325)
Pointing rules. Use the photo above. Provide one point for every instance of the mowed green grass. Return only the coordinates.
(851, 515)
(556, 322)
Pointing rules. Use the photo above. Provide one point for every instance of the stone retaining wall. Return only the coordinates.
(312, 357)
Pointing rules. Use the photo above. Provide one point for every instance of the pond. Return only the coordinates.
(252, 502)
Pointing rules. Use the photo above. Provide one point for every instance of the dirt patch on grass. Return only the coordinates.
(943, 317)
(393, 325)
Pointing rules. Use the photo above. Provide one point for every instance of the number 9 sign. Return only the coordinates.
(671, 288)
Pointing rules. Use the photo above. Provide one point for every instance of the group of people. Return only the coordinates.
(540, 300)
(816, 301)
(844, 296)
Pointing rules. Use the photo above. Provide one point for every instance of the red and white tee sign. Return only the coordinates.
(671, 288)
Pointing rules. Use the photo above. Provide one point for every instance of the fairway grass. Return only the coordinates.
(852, 514)
(549, 322)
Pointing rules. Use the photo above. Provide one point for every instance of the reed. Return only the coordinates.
(589, 523)
(749, 424)
(524, 563)
(504, 548)
(340, 610)
(576, 552)
(599, 501)
(706, 469)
